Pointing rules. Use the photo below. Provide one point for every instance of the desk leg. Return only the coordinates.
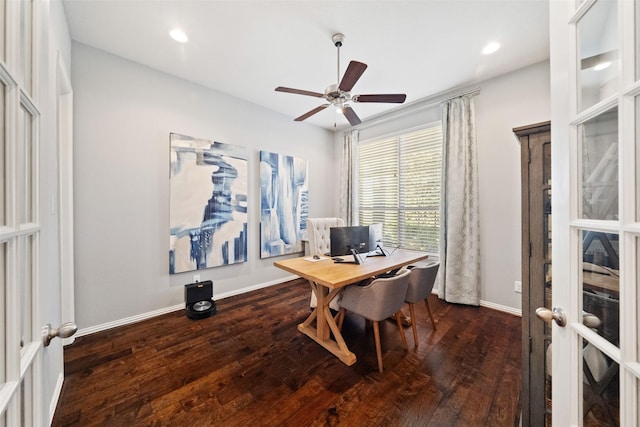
(325, 323)
(321, 324)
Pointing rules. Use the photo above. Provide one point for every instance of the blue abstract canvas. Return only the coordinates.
(284, 204)
(208, 204)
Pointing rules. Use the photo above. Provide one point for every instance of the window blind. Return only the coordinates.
(399, 186)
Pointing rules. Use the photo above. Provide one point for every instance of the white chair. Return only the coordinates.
(377, 301)
(421, 281)
(320, 243)
(318, 234)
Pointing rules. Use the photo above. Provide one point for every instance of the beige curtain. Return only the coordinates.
(459, 278)
(349, 178)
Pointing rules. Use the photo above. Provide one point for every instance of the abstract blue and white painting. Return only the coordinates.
(208, 204)
(284, 204)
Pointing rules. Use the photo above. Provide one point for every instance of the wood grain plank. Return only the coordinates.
(249, 365)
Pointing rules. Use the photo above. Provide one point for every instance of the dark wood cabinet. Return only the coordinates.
(535, 143)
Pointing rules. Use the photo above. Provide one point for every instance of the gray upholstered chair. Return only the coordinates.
(421, 281)
(320, 244)
(377, 301)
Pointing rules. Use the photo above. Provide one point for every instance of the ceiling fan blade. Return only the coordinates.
(397, 98)
(299, 91)
(351, 115)
(311, 113)
(351, 76)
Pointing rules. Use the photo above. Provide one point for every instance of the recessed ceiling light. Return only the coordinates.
(491, 48)
(179, 35)
(602, 66)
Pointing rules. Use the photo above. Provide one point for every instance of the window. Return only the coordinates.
(399, 186)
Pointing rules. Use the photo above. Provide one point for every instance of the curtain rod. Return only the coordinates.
(410, 108)
(471, 92)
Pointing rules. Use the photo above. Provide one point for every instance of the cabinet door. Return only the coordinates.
(535, 142)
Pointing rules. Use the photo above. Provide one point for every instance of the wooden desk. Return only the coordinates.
(601, 279)
(327, 279)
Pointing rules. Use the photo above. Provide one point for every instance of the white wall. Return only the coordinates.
(512, 100)
(124, 113)
(59, 32)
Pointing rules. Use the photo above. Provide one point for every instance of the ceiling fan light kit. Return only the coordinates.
(339, 94)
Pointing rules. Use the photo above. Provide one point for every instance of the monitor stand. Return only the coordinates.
(378, 247)
(356, 258)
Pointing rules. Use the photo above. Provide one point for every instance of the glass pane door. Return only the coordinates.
(597, 220)
(598, 54)
(20, 334)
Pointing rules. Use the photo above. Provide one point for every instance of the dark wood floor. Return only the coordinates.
(249, 366)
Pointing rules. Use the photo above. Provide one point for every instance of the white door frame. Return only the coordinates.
(64, 93)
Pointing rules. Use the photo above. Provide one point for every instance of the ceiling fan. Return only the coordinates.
(339, 94)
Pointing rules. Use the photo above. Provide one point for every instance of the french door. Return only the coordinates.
(595, 117)
(20, 334)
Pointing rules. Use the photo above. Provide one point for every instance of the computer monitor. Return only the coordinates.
(353, 240)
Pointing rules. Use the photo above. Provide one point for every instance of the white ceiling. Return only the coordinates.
(248, 48)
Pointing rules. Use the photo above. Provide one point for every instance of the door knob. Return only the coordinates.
(556, 314)
(590, 320)
(64, 331)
